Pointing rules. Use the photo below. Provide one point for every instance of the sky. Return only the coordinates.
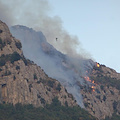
(97, 25)
(92, 25)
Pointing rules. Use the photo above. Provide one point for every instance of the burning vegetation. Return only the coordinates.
(97, 65)
(91, 83)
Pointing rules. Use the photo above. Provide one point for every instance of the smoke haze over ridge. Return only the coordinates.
(69, 71)
(35, 14)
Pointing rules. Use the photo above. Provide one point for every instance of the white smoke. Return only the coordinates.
(35, 14)
(68, 70)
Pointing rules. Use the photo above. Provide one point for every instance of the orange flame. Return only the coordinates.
(98, 65)
(87, 79)
(93, 88)
(92, 81)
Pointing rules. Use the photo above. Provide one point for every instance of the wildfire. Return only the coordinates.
(92, 82)
(93, 88)
(98, 65)
(87, 79)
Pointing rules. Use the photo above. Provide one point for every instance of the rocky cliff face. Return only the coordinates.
(94, 86)
(67, 69)
(102, 97)
(22, 81)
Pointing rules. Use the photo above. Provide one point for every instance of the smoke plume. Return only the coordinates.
(68, 69)
(35, 14)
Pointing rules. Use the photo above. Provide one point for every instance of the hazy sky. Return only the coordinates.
(97, 25)
(95, 22)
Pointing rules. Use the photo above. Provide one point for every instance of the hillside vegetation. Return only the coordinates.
(54, 111)
(104, 76)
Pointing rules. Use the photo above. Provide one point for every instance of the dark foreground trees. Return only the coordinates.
(54, 111)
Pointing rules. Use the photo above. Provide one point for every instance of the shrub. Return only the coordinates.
(102, 87)
(56, 102)
(38, 96)
(14, 77)
(14, 57)
(35, 76)
(1, 31)
(86, 104)
(8, 41)
(51, 83)
(42, 100)
(104, 97)
(18, 45)
(112, 92)
(66, 103)
(58, 87)
(25, 61)
(4, 85)
(38, 82)
(0, 41)
(97, 91)
(17, 67)
(30, 86)
(2, 60)
(98, 97)
(7, 73)
(11, 57)
(115, 105)
(2, 44)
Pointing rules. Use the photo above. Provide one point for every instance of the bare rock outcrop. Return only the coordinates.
(22, 81)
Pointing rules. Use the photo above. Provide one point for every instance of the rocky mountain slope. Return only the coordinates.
(94, 86)
(22, 81)
(102, 98)
(67, 69)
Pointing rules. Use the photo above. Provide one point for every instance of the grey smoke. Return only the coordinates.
(35, 14)
(5, 14)
(69, 68)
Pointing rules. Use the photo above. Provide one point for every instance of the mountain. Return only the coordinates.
(26, 91)
(67, 69)
(102, 99)
(95, 87)
(22, 81)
